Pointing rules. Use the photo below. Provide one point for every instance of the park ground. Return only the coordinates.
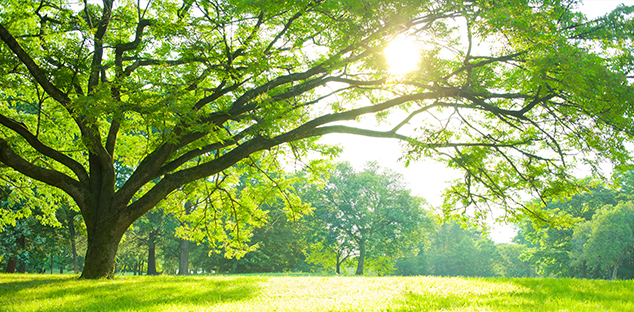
(34, 292)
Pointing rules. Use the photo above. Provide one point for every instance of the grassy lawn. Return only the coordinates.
(30, 292)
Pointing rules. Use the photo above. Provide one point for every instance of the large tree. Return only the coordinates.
(188, 93)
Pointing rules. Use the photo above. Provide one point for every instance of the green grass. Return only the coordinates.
(55, 293)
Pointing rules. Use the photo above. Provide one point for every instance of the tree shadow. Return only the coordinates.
(130, 294)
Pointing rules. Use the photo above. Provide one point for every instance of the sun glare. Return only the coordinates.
(403, 55)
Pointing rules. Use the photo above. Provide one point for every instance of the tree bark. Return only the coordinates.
(340, 261)
(22, 244)
(183, 263)
(103, 243)
(361, 261)
(614, 271)
(73, 242)
(13, 263)
(151, 255)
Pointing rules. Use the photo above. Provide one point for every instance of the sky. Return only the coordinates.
(428, 178)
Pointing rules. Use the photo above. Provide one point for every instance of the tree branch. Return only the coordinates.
(33, 68)
(95, 67)
(54, 178)
(21, 129)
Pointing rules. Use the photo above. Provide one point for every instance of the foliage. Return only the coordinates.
(597, 238)
(552, 248)
(368, 214)
(609, 237)
(510, 263)
(455, 251)
(281, 243)
(194, 94)
(34, 245)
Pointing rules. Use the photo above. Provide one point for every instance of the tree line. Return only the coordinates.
(361, 222)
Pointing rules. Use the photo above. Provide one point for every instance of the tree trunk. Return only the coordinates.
(103, 243)
(183, 263)
(13, 263)
(361, 259)
(73, 242)
(22, 244)
(52, 258)
(616, 267)
(338, 267)
(151, 255)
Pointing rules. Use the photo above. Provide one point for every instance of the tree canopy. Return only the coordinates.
(193, 94)
(369, 215)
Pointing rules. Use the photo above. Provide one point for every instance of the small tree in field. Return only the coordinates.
(610, 237)
(369, 215)
(193, 94)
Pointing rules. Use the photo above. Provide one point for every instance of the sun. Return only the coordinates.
(402, 55)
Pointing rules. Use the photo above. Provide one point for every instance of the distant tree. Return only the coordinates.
(610, 237)
(71, 222)
(456, 251)
(130, 256)
(370, 212)
(183, 258)
(153, 231)
(415, 264)
(281, 243)
(510, 263)
(551, 247)
(326, 245)
(36, 241)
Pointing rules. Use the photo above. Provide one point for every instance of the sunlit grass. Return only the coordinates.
(310, 293)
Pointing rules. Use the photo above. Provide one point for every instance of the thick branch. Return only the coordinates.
(389, 134)
(48, 87)
(173, 181)
(51, 177)
(519, 114)
(21, 129)
(174, 164)
(95, 67)
(150, 62)
(488, 60)
(33, 68)
(122, 47)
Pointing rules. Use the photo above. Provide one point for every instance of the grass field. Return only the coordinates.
(30, 292)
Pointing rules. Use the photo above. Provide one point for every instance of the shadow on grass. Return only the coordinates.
(27, 281)
(523, 295)
(128, 293)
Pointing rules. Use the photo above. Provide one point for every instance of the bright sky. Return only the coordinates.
(428, 178)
